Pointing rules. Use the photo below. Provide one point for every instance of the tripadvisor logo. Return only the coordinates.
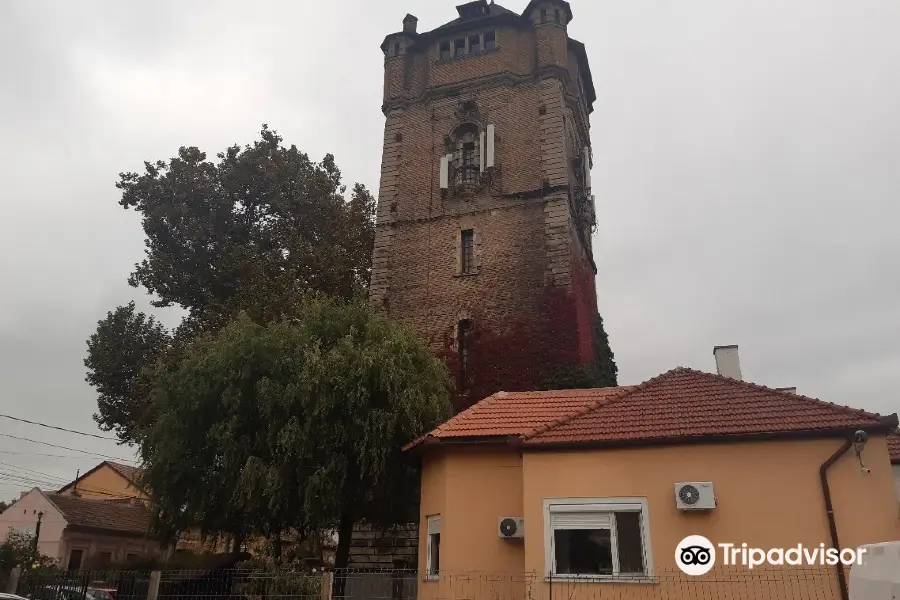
(696, 555)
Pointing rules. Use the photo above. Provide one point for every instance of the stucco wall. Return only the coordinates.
(92, 544)
(471, 490)
(896, 470)
(769, 496)
(104, 484)
(22, 516)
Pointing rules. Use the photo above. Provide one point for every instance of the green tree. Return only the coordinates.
(304, 419)
(600, 372)
(251, 232)
(125, 342)
(19, 550)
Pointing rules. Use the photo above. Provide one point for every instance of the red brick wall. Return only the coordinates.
(532, 301)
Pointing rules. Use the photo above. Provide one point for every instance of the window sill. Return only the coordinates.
(464, 275)
(602, 579)
(431, 578)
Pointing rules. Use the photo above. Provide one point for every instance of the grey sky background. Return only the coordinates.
(747, 170)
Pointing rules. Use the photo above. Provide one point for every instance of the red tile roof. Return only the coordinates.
(681, 404)
(132, 474)
(894, 447)
(516, 413)
(99, 514)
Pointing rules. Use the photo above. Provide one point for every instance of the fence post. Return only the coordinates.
(327, 582)
(153, 589)
(12, 584)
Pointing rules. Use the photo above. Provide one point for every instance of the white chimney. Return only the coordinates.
(789, 390)
(727, 362)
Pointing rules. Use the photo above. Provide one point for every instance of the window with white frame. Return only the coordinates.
(433, 547)
(606, 537)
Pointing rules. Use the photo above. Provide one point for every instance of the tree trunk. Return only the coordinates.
(342, 554)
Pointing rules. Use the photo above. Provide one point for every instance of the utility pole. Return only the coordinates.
(37, 531)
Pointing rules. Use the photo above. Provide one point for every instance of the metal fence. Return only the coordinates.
(789, 583)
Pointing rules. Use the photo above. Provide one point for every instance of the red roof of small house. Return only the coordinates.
(515, 413)
(116, 517)
(678, 406)
(894, 447)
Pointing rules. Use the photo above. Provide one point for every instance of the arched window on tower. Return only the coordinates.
(466, 147)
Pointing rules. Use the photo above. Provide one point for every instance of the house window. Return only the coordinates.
(397, 48)
(467, 249)
(106, 557)
(599, 538)
(556, 16)
(445, 50)
(75, 560)
(433, 550)
(475, 43)
(543, 15)
(131, 557)
(490, 40)
(459, 47)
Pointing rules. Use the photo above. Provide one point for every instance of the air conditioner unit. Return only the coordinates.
(512, 527)
(695, 495)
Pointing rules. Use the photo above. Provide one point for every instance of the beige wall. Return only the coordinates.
(769, 495)
(92, 544)
(896, 470)
(22, 516)
(105, 483)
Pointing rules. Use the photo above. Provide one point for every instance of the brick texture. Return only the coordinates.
(531, 298)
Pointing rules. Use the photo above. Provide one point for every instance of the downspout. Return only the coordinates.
(829, 512)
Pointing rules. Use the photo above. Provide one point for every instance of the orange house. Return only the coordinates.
(588, 493)
(108, 480)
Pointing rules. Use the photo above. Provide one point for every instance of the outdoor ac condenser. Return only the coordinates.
(512, 527)
(695, 495)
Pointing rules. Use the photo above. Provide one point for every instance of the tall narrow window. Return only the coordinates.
(445, 50)
(543, 15)
(470, 173)
(490, 40)
(465, 330)
(474, 43)
(556, 16)
(459, 47)
(467, 247)
(433, 549)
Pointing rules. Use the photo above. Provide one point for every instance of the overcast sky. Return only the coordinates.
(747, 171)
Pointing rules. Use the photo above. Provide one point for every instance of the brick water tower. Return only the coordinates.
(485, 211)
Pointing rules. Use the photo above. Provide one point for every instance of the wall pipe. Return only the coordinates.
(829, 512)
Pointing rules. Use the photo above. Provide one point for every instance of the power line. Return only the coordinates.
(15, 437)
(93, 435)
(40, 454)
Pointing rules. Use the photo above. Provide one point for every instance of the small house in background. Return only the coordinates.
(77, 530)
(106, 481)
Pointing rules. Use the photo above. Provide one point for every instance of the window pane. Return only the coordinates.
(474, 43)
(459, 47)
(435, 540)
(445, 50)
(628, 531)
(468, 257)
(583, 551)
(489, 41)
